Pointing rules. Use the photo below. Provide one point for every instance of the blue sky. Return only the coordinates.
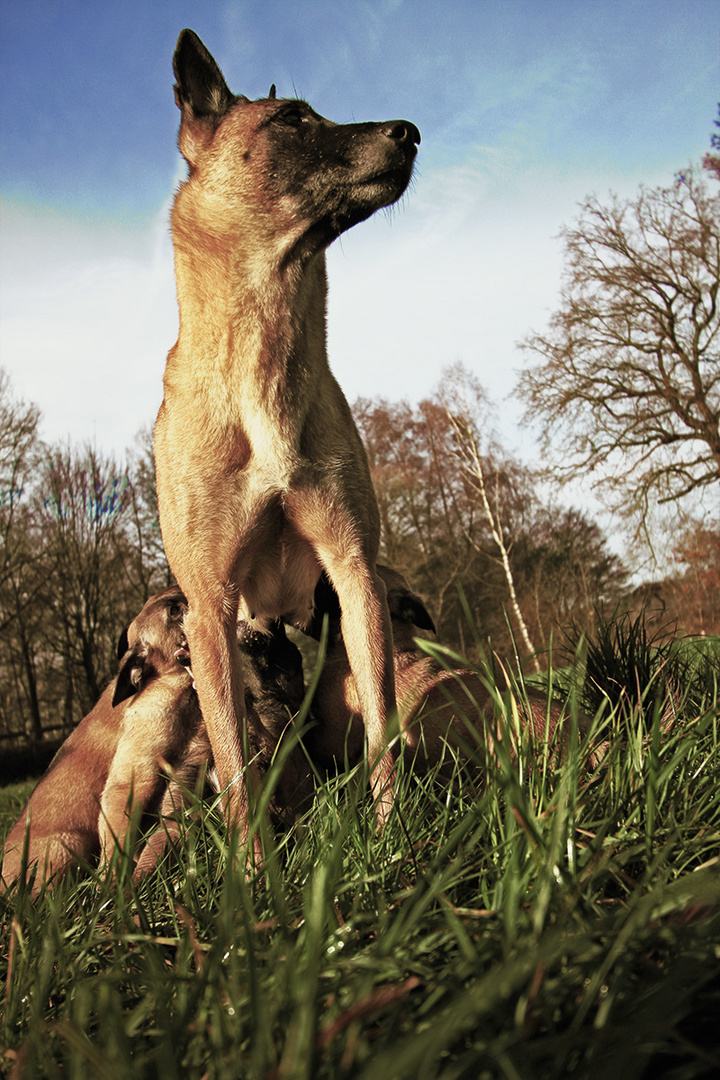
(525, 106)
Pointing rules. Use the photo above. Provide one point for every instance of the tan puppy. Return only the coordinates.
(64, 807)
(164, 752)
(156, 728)
(435, 705)
(262, 477)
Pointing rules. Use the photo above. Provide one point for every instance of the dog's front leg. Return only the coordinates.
(367, 633)
(217, 672)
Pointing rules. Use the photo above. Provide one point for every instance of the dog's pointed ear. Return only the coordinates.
(200, 88)
(123, 644)
(201, 93)
(132, 671)
(273, 93)
(408, 607)
(414, 611)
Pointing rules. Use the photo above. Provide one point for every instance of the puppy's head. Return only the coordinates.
(273, 663)
(153, 643)
(403, 604)
(407, 610)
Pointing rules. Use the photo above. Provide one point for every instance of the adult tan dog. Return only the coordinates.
(262, 478)
(64, 807)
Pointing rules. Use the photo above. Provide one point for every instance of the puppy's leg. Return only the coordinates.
(168, 830)
(132, 785)
(188, 777)
(156, 726)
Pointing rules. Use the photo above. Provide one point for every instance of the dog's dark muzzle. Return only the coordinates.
(393, 139)
(381, 153)
(342, 173)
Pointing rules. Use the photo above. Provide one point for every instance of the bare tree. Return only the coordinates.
(19, 453)
(711, 161)
(426, 516)
(145, 565)
(24, 570)
(80, 552)
(81, 504)
(459, 512)
(564, 572)
(626, 381)
(696, 588)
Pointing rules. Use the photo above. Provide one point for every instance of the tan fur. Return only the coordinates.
(164, 751)
(155, 731)
(64, 807)
(262, 477)
(436, 706)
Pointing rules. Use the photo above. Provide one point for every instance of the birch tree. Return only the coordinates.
(464, 401)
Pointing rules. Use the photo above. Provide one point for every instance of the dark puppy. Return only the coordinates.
(436, 706)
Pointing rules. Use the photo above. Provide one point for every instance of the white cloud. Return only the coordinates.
(87, 315)
(463, 271)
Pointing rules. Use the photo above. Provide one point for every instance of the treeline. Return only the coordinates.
(80, 552)
(473, 529)
(468, 524)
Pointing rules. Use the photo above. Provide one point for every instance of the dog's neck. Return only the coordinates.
(245, 305)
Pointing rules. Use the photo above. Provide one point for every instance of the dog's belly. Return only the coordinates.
(277, 569)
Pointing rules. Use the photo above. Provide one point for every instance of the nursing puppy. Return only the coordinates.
(437, 707)
(262, 478)
(164, 753)
(64, 807)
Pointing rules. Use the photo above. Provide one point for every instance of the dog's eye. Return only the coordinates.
(176, 611)
(291, 117)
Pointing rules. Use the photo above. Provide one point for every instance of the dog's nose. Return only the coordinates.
(402, 131)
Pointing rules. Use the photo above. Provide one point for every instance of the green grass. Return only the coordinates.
(550, 924)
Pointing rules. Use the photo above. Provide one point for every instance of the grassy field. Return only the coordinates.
(557, 922)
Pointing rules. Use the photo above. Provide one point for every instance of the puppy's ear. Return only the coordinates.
(325, 602)
(410, 608)
(123, 644)
(133, 669)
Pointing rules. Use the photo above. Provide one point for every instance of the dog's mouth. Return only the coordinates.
(394, 177)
